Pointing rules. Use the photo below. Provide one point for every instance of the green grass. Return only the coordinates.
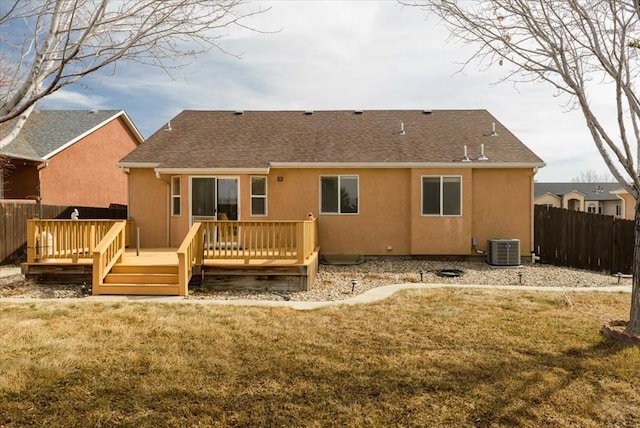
(422, 358)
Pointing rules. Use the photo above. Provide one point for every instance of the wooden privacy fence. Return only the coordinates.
(583, 240)
(13, 223)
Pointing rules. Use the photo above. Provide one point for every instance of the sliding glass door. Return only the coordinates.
(214, 198)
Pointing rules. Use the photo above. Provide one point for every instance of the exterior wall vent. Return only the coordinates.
(503, 252)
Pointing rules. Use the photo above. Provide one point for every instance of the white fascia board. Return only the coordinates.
(620, 191)
(129, 122)
(137, 164)
(211, 171)
(92, 130)
(548, 194)
(472, 164)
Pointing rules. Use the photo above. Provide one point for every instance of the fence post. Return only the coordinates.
(300, 241)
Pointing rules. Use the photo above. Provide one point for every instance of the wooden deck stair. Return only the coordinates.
(142, 280)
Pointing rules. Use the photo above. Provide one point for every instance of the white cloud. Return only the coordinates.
(67, 98)
(347, 55)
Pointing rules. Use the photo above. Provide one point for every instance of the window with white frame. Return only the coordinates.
(339, 194)
(175, 196)
(258, 196)
(441, 195)
(591, 207)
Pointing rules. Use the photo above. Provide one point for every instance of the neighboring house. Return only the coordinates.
(68, 157)
(407, 182)
(599, 198)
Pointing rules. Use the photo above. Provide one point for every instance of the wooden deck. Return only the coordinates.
(272, 255)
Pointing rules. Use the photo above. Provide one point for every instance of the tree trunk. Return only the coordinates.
(633, 328)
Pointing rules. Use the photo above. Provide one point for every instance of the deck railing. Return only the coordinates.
(189, 253)
(64, 239)
(107, 253)
(246, 240)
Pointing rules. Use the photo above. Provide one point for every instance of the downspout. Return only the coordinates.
(533, 218)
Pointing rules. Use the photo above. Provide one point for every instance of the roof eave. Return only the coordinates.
(95, 128)
(211, 171)
(470, 164)
(22, 157)
(137, 164)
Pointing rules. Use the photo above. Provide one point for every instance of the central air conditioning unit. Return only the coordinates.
(503, 252)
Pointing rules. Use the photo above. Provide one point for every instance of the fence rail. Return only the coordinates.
(583, 240)
(107, 253)
(246, 240)
(189, 254)
(13, 223)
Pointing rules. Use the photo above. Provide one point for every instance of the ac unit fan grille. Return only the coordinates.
(503, 252)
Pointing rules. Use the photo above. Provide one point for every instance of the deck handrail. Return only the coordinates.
(107, 253)
(246, 240)
(189, 253)
(64, 239)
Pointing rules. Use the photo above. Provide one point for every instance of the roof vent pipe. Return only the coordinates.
(402, 128)
(168, 127)
(482, 156)
(493, 130)
(465, 158)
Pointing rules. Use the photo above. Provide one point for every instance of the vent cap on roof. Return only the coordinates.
(308, 112)
(238, 112)
(358, 112)
(426, 111)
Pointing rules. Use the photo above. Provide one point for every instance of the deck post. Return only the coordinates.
(300, 241)
(123, 242)
(97, 274)
(31, 241)
(183, 277)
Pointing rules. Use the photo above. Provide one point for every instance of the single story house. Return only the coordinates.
(380, 182)
(599, 198)
(68, 158)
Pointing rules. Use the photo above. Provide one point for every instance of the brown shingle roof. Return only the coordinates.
(256, 139)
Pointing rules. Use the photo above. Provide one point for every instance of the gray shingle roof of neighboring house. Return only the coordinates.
(591, 191)
(260, 139)
(47, 131)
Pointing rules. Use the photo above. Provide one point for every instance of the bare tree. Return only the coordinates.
(579, 47)
(48, 44)
(591, 176)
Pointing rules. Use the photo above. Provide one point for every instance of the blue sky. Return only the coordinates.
(319, 55)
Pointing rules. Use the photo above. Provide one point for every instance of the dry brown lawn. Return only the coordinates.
(450, 357)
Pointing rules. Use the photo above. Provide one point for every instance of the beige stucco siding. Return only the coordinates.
(148, 206)
(445, 235)
(503, 206)
(629, 206)
(382, 220)
(85, 173)
(549, 199)
(389, 220)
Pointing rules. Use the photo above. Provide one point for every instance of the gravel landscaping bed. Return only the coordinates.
(336, 282)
